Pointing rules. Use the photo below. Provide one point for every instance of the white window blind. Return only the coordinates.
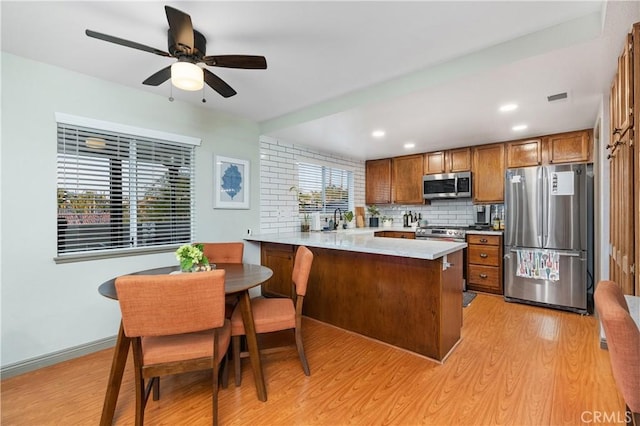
(117, 191)
(324, 189)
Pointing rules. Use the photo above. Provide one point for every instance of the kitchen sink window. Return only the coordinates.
(121, 193)
(323, 188)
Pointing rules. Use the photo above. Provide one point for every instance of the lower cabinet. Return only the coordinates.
(278, 257)
(410, 235)
(484, 263)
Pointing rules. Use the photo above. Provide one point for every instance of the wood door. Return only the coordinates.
(488, 173)
(459, 160)
(634, 78)
(571, 147)
(434, 163)
(407, 179)
(524, 153)
(378, 181)
(278, 257)
(624, 116)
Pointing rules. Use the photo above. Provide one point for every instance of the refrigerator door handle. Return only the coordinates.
(561, 253)
(542, 178)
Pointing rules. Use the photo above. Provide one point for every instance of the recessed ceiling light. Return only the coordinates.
(508, 107)
(378, 133)
(519, 127)
(409, 145)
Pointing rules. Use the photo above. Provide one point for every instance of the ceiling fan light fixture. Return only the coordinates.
(187, 76)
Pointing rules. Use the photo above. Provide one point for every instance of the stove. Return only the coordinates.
(446, 232)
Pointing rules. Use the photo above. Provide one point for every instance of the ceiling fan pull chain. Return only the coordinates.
(203, 99)
(171, 93)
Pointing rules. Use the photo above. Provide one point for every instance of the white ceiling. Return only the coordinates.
(433, 73)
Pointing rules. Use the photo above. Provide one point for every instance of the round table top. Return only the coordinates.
(239, 277)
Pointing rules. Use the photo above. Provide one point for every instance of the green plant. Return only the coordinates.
(373, 210)
(385, 218)
(191, 255)
(348, 215)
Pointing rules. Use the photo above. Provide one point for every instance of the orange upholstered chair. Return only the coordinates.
(276, 314)
(623, 341)
(176, 324)
(225, 253)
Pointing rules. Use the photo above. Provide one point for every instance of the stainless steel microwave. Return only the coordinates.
(446, 185)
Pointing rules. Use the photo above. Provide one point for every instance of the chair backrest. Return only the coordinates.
(223, 252)
(160, 305)
(623, 340)
(301, 269)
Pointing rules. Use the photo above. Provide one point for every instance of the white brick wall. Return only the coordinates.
(278, 173)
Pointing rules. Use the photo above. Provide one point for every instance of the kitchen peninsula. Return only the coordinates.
(407, 293)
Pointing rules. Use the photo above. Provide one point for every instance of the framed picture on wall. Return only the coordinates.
(230, 183)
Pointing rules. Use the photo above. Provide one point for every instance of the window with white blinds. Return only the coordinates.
(118, 191)
(324, 189)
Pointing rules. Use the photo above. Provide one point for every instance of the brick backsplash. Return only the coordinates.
(278, 173)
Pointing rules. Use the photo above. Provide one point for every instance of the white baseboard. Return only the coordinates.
(56, 357)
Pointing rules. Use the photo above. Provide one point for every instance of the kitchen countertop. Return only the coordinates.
(489, 232)
(362, 240)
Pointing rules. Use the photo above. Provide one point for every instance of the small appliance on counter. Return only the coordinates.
(315, 222)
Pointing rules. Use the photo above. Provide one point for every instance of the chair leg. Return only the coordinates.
(225, 370)
(303, 358)
(237, 367)
(156, 388)
(214, 397)
(141, 398)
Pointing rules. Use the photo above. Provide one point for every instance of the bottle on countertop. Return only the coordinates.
(405, 220)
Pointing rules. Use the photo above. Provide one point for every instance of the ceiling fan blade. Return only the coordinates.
(158, 78)
(181, 28)
(126, 43)
(217, 84)
(248, 62)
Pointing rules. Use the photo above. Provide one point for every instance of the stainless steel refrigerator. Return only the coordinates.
(548, 234)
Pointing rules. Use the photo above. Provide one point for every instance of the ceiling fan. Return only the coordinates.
(188, 46)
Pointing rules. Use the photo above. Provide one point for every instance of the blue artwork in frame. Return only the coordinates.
(231, 183)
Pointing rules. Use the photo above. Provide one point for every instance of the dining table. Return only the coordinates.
(239, 278)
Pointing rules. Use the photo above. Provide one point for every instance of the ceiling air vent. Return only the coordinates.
(557, 97)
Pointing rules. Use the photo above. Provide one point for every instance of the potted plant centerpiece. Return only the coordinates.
(387, 222)
(192, 258)
(374, 213)
(348, 217)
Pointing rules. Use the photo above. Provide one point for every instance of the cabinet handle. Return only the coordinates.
(483, 275)
(483, 240)
(484, 255)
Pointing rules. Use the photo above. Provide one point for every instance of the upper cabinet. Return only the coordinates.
(623, 92)
(572, 147)
(452, 161)
(488, 173)
(378, 181)
(524, 153)
(407, 179)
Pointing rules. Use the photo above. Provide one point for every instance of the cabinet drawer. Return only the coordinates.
(492, 240)
(485, 276)
(484, 255)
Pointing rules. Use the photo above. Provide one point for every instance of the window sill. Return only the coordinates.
(111, 254)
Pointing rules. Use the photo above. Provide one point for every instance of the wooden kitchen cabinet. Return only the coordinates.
(451, 161)
(378, 181)
(409, 235)
(571, 147)
(623, 98)
(484, 263)
(279, 258)
(488, 173)
(524, 153)
(407, 179)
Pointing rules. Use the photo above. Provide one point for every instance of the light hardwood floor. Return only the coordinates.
(516, 364)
